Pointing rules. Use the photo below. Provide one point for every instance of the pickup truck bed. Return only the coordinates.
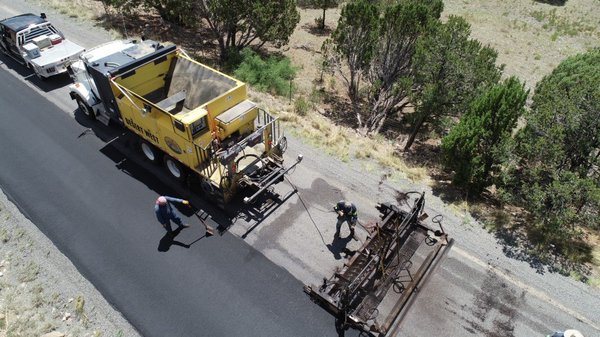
(57, 53)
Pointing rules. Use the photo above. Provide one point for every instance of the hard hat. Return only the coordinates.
(572, 333)
(161, 200)
(347, 204)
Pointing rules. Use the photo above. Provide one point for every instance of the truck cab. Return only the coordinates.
(36, 43)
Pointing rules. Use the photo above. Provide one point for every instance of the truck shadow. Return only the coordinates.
(46, 85)
(122, 148)
(258, 211)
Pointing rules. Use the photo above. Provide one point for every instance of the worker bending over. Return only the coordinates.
(165, 213)
(346, 212)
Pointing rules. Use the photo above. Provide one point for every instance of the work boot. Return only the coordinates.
(184, 226)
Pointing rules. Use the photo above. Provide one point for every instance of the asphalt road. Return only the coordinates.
(91, 196)
(103, 220)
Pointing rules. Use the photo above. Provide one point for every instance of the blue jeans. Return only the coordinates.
(176, 220)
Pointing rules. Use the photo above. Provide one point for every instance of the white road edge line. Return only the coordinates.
(534, 291)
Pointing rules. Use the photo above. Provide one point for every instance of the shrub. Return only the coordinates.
(273, 74)
(301, 106)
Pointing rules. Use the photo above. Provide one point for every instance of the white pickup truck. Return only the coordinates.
(37, 44)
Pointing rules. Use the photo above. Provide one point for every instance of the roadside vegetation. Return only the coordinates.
(40, 293)
(410, 86)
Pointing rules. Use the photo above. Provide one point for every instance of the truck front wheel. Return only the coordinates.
(85, 108)
(149, 151)
(175, 168)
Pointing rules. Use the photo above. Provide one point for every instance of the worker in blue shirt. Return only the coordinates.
(346, 212)
(165, 213)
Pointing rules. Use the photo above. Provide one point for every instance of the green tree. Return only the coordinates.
(555, 174)
(238, 24)
(390, 73)
(479, 145)
(559, 204)
(176, 11)
(375, 40)
(352, 44)
(450, 71)
(563, 127)
(324, 5)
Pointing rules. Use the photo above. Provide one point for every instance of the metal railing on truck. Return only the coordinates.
(211, 157)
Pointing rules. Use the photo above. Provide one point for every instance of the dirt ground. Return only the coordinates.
(531, 37)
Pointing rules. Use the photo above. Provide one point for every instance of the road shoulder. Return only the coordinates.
(41, 290)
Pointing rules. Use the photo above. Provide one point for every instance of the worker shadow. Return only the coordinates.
(168, 240)
(338, 247)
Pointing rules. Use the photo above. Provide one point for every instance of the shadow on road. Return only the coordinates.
(260, 210)
(122, 148)
(168, 240)
(46, 85)
(338, 246)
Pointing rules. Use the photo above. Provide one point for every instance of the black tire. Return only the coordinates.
(85, 109)
(150, 152)
(40, 77)
(3, 50)
(207, 187)
(175, 168)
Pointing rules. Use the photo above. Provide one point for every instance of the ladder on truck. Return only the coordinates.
(374, 287)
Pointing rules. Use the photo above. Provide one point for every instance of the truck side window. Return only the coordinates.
(198, 126)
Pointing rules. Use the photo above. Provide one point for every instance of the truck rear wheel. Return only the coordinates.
(149, 151)
(175, 168)
(85, 108)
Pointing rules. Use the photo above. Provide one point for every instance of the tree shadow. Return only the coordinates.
(339, 110)
(318, 31)
(424, 154)
(552, 2)
(524, 242)
(198, 41)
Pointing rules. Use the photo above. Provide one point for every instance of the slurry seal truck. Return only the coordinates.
(196, 120)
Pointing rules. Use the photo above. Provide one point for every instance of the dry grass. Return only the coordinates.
(75, 9)
(341, 142)
(531, 37)
(594, 241)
